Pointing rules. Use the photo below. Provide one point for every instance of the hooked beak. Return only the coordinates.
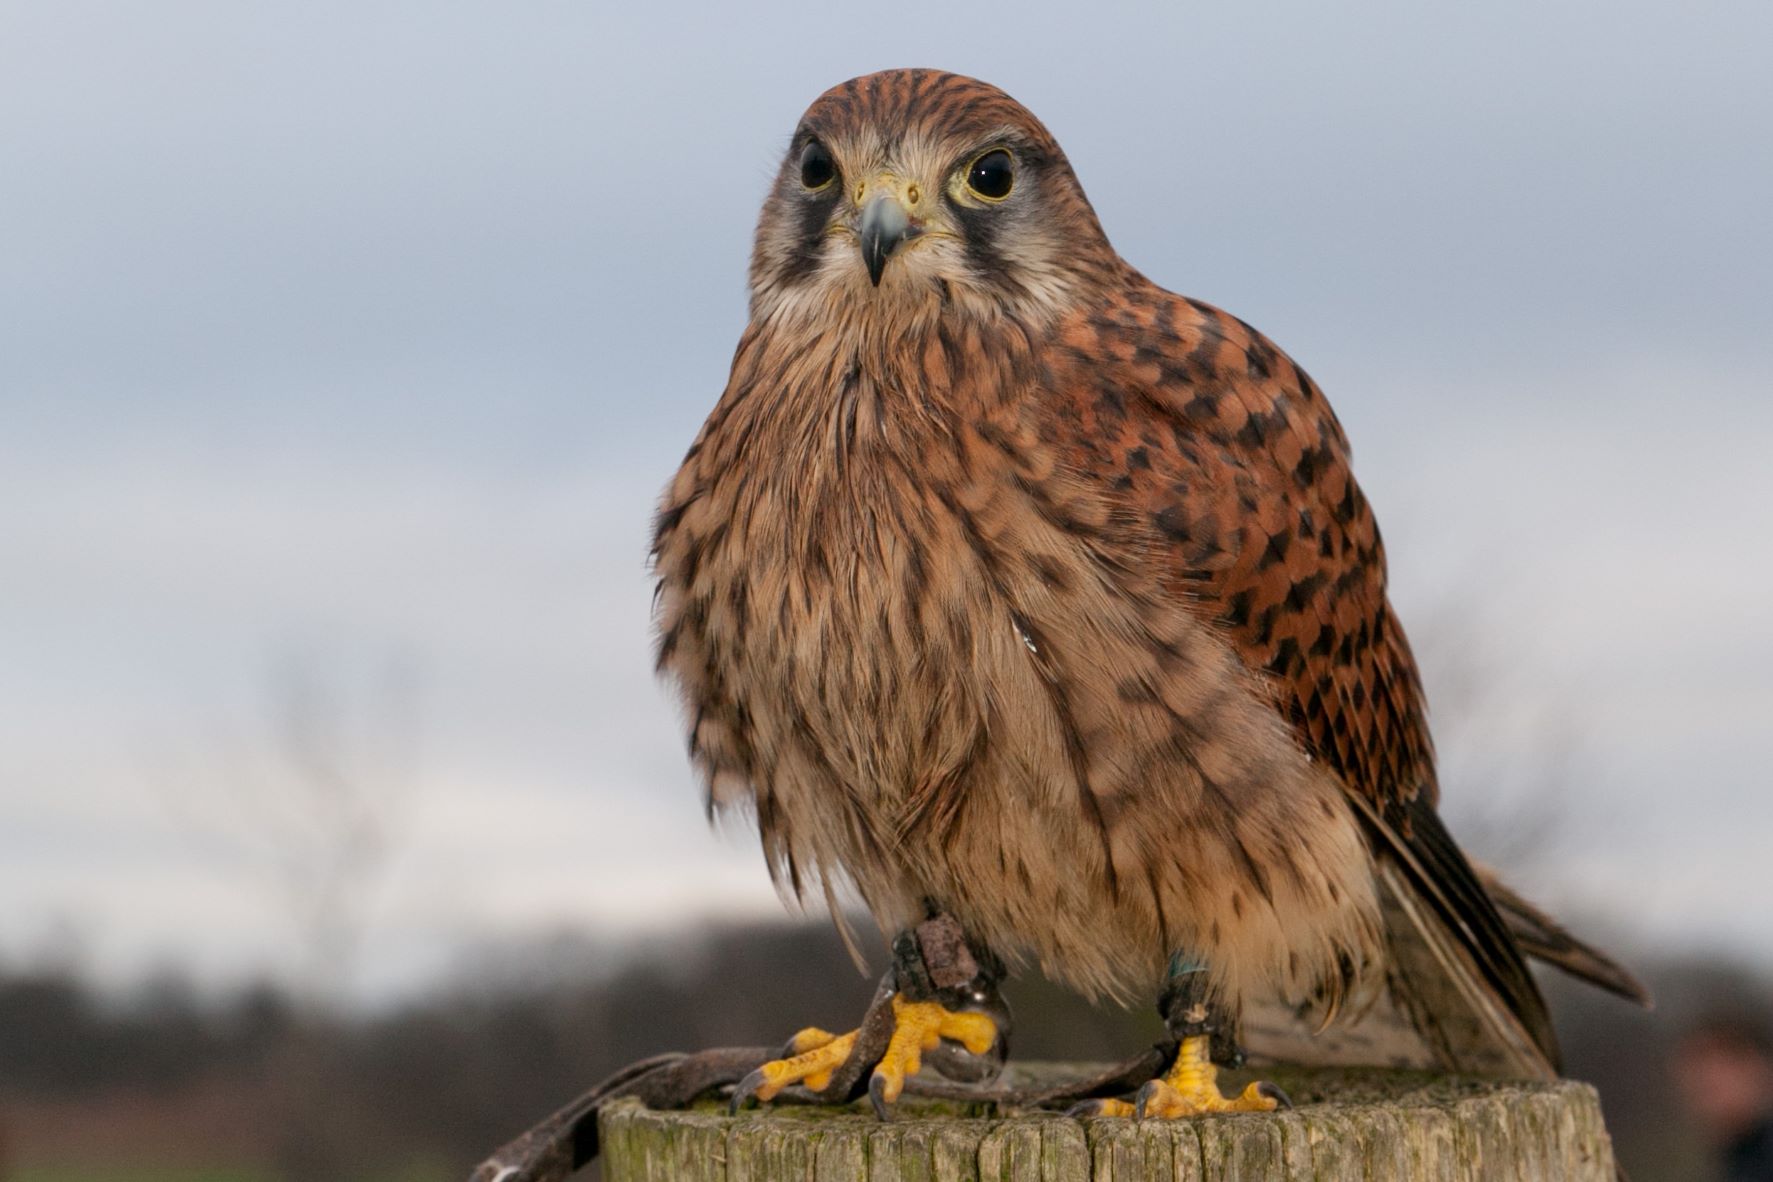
(884, 226)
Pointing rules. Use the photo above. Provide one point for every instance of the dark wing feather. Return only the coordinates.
(1545, 939)
(1237, 457)
(1440, 874)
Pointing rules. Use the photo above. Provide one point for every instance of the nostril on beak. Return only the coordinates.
(884, 225)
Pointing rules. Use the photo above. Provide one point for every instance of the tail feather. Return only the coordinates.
(1459, 995)
(1451, 947)
(1439, 1011)
(1545, 939)
(1448, 998)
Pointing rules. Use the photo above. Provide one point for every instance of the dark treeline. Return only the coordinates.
(60, 1039)
(251, 1081)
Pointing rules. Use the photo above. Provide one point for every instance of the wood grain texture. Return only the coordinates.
(1362, 1126)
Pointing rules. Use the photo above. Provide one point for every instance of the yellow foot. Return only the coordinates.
(918, 1026)
(813, 1054)
(1190, 1089)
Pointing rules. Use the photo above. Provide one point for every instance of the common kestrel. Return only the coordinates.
(1023, 595)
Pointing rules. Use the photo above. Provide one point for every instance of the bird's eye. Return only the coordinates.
(992, 175)
(817, 169)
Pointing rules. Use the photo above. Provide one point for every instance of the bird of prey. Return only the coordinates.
(1039, 606)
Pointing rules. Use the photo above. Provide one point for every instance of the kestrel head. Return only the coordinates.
(920, 188)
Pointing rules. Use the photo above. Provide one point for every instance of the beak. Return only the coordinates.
(884, 226)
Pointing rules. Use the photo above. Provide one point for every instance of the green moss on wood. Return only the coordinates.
(1365, 1125)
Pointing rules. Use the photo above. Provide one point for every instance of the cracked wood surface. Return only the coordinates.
(1365, 1125)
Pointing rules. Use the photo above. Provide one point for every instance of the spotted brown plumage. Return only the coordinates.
(1236, 455)
(1003, 583)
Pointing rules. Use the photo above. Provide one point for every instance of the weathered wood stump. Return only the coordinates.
(1360, 1125)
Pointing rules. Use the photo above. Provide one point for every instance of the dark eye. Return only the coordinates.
(817, 168)
(992, 175)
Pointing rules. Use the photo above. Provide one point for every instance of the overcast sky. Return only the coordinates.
(351, 333)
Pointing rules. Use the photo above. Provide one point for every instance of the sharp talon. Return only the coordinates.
(1142, 1101)
(877, 1086)
(1273, 1092)
(745, 1091)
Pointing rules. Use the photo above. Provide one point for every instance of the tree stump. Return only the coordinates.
(1355, 1124)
